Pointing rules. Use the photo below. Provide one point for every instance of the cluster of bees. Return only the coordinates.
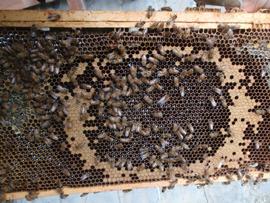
(30, 65)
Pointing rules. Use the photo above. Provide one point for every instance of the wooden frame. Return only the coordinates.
(128, 19)
(100, 19)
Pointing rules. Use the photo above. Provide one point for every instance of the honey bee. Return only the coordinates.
(144, 154)
(83, 111)
(140, 24)
(190, 127)
(257, 144)
(88, 56)
(185, 146)
(98, 73)
(212, 101)
(161, 50)
(66, 172)
(260, 112)
(176, 81)
(45, 124)
(86, 86)
(210, 54)
(145, 131)
(217, 90)
(32, 195)
(177, 52)
(144, 60)
(210, 124)
(202, 77)
(148, 100)
(158, 114)
(182, 130)
(189, 137)
(53, 17)
(214, 134)
(163, 72)
(158, 57)
(155, 128)
(210, 42)
(182, 91)
(119, 146)
(84, 194)
(47, 141)
(221, 76)
(259, 178)
(163, 100)
(150, 11)
(54, 107)
(166, 8)
(173, 71)
(198, 69)
(53, 136)
(61, 89)
(153, 60)
(63, 146)
(127, 190)
(125, 140)
(85, 176)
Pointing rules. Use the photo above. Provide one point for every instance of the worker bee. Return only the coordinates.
(172, 184)
(47, 141)
(150, 11)
(185, 146)
(163, 100)
(54, 107)
(201, 78)
(158, 57)
(171, 19)
(210, 124)
(260, 112)
(158, 114)
(182, 91)
(84, 194)
(155, 128)
(140, 24)
(83, 111)
(125, 140)
(210, 54)
(212, 101)
(190, 127)
(119, 146)
(182, 130)
(210, 42)
(173, 71)
(53, 17)
(176, 81)
(148, 100)
(98, 73)
(163, 72)
(53, 136)
(84, 176)
(138, 106)
(214, 134)
(177, 52)
(66, 172)
(153, 60)
(189, 137)
(166, 8)
(257, 144)
(198, 69)
(217, 90)
(144, 60)
(161, 50)
(45, 124)
(61, 89)
(88, 56)
(32, 195)
(144, 154)
(221, 76)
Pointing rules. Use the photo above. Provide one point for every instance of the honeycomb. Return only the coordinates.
(97, 107)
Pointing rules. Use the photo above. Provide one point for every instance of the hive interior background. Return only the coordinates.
(35, 165)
